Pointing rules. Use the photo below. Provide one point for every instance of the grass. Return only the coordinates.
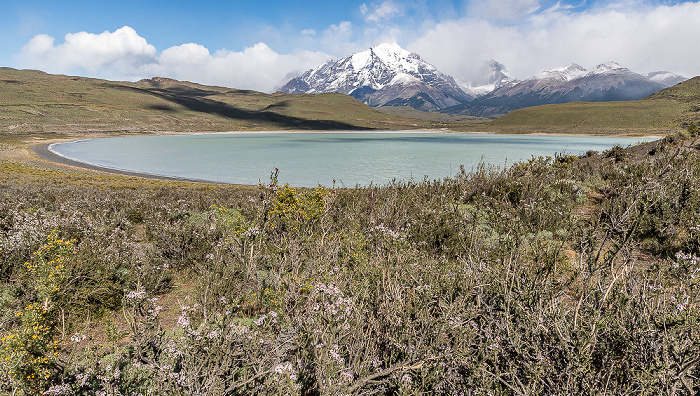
(659, 116)
(438, 119)
(36, 102)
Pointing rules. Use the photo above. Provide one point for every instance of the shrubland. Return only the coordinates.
(564, 275)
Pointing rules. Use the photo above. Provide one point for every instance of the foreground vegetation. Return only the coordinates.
(561, 275)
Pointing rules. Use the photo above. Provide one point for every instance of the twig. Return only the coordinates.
(246, 382)
(578, 306)
(402, 366)
(503, 382)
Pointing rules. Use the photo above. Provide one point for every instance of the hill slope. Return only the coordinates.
(660, 112)
(33, 101)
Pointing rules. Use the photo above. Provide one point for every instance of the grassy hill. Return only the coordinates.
(37, 102)
(662, 112)
(33, 101)
(438, 119)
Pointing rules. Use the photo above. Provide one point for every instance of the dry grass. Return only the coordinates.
(35, 102)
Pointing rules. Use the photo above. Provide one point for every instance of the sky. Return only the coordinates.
(261, 44)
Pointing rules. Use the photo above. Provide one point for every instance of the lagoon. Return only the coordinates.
(308, 159)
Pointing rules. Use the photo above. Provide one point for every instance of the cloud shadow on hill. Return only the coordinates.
(195, 99)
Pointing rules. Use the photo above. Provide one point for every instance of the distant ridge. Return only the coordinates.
(607, 82)
(662, 112)
(388, 75)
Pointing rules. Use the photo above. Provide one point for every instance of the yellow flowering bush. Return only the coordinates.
(28, 354)
(289, 202)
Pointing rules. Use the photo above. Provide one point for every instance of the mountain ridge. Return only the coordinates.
(389, 75)
(385, 74)
(607, 82)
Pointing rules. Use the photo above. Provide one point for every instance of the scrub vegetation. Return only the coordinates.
(564, 275)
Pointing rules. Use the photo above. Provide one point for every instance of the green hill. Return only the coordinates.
(687, 91)
(662, 112)
(36, 102)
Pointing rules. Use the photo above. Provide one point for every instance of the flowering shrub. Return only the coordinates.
(290, 203)
(28, 354)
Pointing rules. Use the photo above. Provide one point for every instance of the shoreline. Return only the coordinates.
(43, 150)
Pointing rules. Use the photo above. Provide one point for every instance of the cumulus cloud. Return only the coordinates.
(122, 51)
(523, 36)
(123, 54)
(641, 38)
(257, 67)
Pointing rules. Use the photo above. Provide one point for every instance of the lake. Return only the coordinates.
(308, 159)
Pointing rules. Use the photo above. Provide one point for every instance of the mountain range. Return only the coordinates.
(388, 75)
(384, 75)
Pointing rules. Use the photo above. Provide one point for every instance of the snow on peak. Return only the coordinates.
(403, 78)
(390, 50)
(660, 76)
(390, 54)
(566, 73)
(608, 67)
(382, 66)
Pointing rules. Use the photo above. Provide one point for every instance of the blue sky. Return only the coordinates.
(256, 45)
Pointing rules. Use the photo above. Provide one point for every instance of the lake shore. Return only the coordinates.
(43, 151)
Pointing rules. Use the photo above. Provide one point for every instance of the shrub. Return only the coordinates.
(28, 354)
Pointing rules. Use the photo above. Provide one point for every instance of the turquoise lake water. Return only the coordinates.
(318, 158)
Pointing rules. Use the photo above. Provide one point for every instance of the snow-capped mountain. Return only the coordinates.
(491, 76)
(607, 82)
(384, 75)
(665, 78)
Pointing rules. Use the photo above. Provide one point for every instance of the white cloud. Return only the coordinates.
(340, 39)
(379, 12)
(257, 67)
(641, 38)
(123, 54)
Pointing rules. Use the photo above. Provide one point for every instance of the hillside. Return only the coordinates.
(33, 101)
(660, 112)
(686, 91)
